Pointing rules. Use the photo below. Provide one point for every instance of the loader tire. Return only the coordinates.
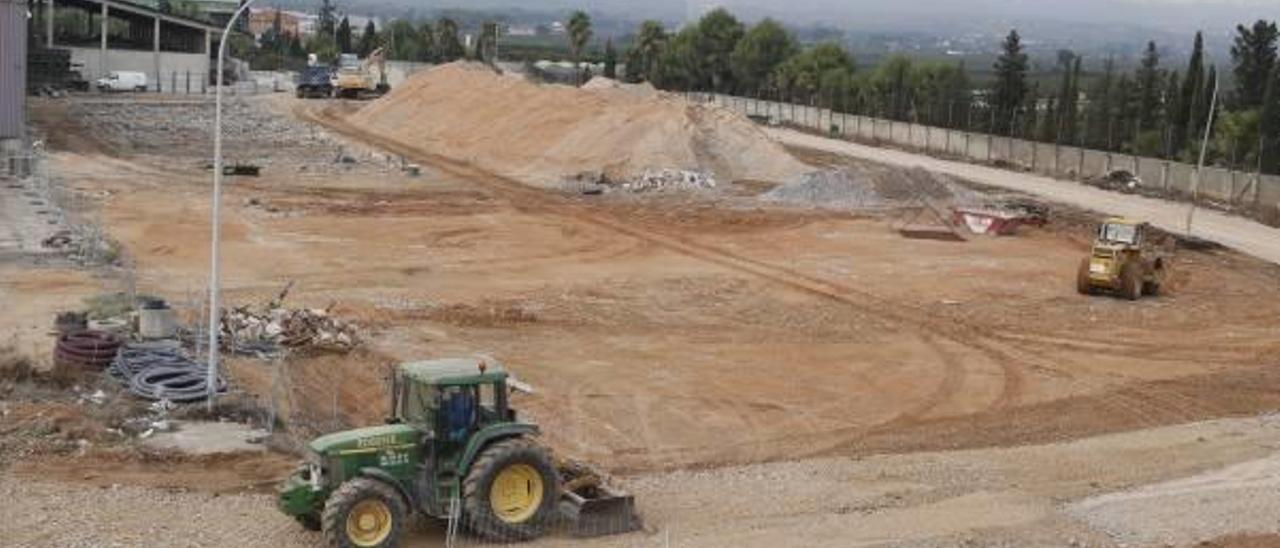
(364, 513)
(1083, 284)
(1131, 281)
(510, 492)
(1152, 287)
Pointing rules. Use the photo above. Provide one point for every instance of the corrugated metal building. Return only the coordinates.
(13, 68)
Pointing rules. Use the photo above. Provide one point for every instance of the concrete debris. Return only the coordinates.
(274, 325)
(670, 179)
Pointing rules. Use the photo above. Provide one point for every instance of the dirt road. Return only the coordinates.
(1235, 232)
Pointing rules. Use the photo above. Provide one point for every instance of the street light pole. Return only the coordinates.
(215, 327)
(1204, 146)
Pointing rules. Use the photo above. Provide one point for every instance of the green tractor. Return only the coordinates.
(452, 448)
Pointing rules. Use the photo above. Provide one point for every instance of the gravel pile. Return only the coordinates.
(871, 188)
(834, 189)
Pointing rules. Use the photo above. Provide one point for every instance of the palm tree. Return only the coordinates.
(579, 35)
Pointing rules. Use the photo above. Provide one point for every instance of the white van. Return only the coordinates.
(123, 80)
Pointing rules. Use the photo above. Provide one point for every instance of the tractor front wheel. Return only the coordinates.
(364, 513)
(510, 491)
(1131, 281)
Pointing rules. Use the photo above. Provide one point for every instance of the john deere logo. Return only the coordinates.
(376, 441)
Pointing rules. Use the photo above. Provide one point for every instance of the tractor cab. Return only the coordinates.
(450, 399)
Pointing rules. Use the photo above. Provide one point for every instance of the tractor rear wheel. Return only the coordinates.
(364, 513)
(1131, 281)
(510, 491)
(1083, 284)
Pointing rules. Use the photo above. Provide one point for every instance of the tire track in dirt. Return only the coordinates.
(887, 314)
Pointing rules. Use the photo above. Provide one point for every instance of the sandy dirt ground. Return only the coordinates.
(712, 351)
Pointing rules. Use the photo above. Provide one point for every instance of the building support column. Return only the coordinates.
(208, 59)
(155, 51)
(102, 52)
(48, 23)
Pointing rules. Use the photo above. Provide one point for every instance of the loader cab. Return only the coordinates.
(1121, 233)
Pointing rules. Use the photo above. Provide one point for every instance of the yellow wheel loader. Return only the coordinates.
(356, 79)
(1124, 259)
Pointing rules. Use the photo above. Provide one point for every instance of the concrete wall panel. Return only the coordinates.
(956, 143)
(980, 147)
(1215, 183)
(1095, 164)
(1152, 172)
(937, 138)
(1045, 158)
(1268, 190)
(1069, 162)
(917, 136)
(1180, 177)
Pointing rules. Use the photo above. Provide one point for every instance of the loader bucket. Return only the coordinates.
(598, 510)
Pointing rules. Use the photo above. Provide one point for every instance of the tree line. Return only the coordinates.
(1154, 111)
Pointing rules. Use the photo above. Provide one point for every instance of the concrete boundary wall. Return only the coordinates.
(1218, 184)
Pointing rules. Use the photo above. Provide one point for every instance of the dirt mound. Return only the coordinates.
(870, 187)
(542, 133)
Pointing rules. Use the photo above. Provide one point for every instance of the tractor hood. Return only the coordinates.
(368, 439)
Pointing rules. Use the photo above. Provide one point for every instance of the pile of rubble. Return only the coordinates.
(264, 329)
(872, 187)
(656, 180)
(650, 180)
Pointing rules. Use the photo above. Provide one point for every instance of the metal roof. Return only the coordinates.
(455, 370)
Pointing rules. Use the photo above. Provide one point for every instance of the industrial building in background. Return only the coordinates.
(93, 38)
